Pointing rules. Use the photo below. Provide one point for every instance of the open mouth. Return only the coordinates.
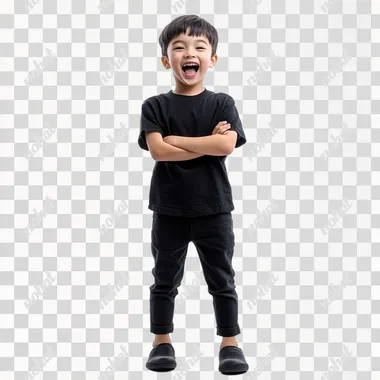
(190, 69)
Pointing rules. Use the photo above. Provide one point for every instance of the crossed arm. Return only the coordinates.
(193, 147)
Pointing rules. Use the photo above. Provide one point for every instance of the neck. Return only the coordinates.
(189, 92)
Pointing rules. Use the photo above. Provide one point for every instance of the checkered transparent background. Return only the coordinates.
(84, 111)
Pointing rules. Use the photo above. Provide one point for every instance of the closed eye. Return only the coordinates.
(182, 48)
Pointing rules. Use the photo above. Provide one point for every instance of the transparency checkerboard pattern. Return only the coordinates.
(74, 185)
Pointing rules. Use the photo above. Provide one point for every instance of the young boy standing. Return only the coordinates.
(189, 132)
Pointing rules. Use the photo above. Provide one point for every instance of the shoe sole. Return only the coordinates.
(228, 368)
(161, 364)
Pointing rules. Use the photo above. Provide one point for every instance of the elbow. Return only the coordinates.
(224, 146)
(157, 154)
(153, 154)
(229, 148)
(230, 142)
(229, 151)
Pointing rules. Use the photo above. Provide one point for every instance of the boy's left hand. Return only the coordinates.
(221, 128)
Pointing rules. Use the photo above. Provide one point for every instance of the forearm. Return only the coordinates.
(173, 153)
(213, 145)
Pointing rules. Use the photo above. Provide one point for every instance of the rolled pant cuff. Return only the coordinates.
(161, 329)
(228, 331)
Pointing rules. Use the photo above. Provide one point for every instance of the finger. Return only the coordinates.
(220, 127)
(225, 130)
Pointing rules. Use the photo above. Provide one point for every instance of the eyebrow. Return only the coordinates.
(200, 40)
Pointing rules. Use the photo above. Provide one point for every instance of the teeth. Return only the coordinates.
(195, 65)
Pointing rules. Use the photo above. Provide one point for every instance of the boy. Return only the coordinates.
(187, 134)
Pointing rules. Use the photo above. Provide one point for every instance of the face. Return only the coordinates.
(184, 48)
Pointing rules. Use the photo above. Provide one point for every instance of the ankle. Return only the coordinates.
(228, 341)
(161, 338)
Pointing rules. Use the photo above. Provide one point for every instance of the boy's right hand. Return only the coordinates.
(221, 128)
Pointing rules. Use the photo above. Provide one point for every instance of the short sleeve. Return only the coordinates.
(148, 123)
(231, 115)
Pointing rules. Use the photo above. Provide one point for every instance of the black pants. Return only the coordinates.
(214, 240)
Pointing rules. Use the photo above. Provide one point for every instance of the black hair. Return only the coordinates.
(197, 27)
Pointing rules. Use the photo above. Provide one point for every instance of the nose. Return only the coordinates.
(190, 52)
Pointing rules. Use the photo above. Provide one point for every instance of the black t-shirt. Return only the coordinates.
(199, 186)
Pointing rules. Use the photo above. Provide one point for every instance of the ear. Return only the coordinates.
(213, 61)
(165, 62)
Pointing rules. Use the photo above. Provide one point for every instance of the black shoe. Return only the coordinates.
(232, 361)
(162, 358)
